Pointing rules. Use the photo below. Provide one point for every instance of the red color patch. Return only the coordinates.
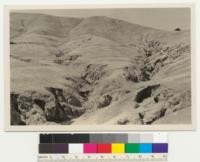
(104, 148)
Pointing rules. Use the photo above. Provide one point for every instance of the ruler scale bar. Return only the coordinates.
(103, 157)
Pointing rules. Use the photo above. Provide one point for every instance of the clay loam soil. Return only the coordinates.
(97, 70)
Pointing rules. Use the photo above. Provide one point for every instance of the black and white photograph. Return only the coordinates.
(96, 68)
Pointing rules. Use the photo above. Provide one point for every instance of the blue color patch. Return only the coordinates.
(145, 148)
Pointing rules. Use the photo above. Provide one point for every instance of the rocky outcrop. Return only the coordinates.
(74, 101)
(104, 101)
(94, 72)
(136, 75)
(163, 56)
(123, 121)
(66, 60)
(145, 93)
(15, 112)
(36, 116)
(34, 108)
(165, 102)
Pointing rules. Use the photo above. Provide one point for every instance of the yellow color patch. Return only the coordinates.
(118, 148)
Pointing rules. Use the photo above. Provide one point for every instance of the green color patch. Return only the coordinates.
(132, 148)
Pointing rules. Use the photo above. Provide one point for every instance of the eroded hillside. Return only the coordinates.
(97, 70)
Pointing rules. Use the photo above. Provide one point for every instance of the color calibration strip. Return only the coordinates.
(104, 146)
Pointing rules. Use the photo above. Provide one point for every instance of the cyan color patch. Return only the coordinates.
(145, 148)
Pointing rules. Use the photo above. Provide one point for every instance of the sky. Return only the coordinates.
(160, 18)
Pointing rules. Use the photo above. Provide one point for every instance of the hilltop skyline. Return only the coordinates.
(159, 18)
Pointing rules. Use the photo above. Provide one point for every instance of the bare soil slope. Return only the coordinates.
(97, 70)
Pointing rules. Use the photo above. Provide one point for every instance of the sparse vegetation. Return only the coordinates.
(97, 71)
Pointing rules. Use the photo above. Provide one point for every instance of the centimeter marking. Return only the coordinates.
(101, 157)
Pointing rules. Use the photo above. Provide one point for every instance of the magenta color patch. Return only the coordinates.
(90, 148)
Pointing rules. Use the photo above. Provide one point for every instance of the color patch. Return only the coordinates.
(90, 148)
(75, 148)
(146, 138)
(45, 148)
(46, 138)
(96, 138)
(160, 137)
(118, 148)
(60, 148)
(134, 138)
(104, 148)
(114, 138)
(132, 148)
(145, 148)
(71, 138)
(160, 148)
